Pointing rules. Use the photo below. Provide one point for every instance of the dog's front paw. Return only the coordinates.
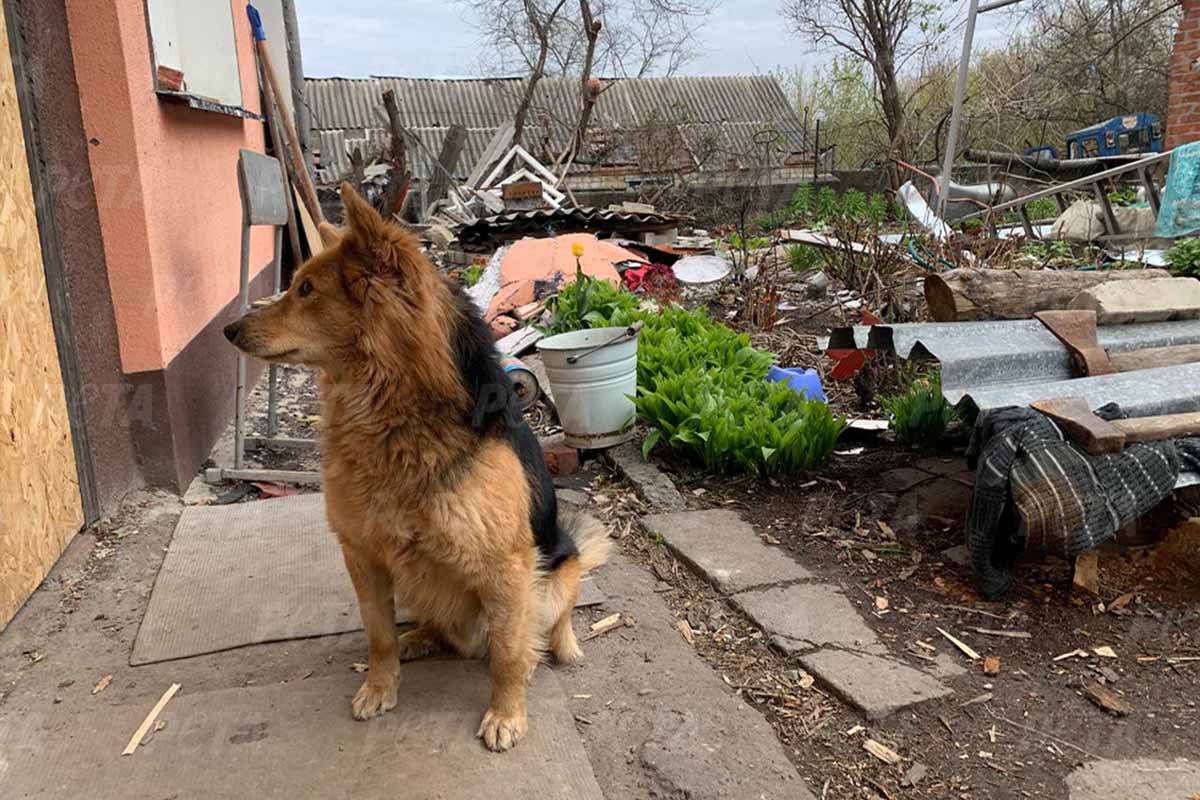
(501, 731)
(373, 699)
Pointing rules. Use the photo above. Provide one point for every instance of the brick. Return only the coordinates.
(561, 459)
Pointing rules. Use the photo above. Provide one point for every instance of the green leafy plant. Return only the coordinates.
(587, 303)
(472, 274)
(1042, 208)
(802, 258)
(738, 242)
(1123, 197)
(921, 414)
(1049, 250)
(1184, 257)
(703, 387)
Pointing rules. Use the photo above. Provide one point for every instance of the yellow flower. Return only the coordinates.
(577, 249)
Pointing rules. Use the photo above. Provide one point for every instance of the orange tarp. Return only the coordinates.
(532, 260)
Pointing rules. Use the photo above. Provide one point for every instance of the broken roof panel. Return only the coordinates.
(731, 110)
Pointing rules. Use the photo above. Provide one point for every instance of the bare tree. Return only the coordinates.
(639, 38)
(885, 34)
(540, 22)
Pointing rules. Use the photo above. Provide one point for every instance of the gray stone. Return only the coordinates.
(572, 497)
(959, 554)
(877, 685)
(1137, 779)
(804, 617)
(939, 499)
(1152, 300)
(724, 549)
(648, 481)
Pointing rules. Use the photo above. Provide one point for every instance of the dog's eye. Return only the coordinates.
(305, 289)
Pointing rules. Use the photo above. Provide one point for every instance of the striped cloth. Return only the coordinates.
(1035, 489)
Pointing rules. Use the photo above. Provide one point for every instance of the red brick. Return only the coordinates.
(560, 458)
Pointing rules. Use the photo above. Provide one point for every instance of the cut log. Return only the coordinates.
(965, 295)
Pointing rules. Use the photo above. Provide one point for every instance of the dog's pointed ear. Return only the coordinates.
(362, 220)
(330, 233)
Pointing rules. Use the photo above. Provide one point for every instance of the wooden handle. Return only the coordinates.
(1151, 357)
(1156, 429)
(299, 169)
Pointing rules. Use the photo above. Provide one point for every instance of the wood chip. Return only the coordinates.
(102, 684)
(1072, 654)
(886, 529)
(881, 603)
(359, 666)
(1108, 700)
(1105, 652)
(1120, 602)
(606, 622)
(1006, 634)
(961, 645)
(983, 698)
(686, 630)
(1087, 573)
(144, 728)
(609, 623)
(882, 752)
(991, 665)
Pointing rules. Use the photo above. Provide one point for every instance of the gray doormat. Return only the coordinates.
(250, 573)
(298, 740)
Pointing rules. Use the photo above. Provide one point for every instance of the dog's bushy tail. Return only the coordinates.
(590, 537)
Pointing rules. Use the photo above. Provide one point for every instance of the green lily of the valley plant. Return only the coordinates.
(703, 387)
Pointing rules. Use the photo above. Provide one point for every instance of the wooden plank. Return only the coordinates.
(41, 505)
(55, 271)
(447, 162)
(1110, 219)
(144, 728)
(272, 475)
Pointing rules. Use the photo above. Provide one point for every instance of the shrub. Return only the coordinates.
(921, 414)
(1184, 257)
(704, 389)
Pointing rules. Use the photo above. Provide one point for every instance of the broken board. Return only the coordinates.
(250, 573)
(299, 740)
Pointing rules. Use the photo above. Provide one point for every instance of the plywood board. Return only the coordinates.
(40, 508)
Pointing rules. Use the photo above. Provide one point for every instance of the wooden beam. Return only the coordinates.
(447, 162)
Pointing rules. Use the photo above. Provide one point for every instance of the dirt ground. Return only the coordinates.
(1015, 734)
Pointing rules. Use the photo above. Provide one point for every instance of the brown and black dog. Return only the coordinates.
(435, 486)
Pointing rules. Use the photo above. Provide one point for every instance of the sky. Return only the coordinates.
(435, 38)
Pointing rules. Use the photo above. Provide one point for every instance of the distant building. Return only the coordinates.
(713, 130)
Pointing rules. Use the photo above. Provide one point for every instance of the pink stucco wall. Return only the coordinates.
(166, 183)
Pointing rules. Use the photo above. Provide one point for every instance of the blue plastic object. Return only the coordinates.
(805, 381)
(256, 25)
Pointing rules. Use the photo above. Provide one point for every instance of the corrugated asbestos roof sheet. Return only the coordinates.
(730, 110)
(996, 364)
(989, 365)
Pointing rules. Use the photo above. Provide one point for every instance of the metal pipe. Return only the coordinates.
(960, 91)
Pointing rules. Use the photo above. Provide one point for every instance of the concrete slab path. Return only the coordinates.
(298, 740)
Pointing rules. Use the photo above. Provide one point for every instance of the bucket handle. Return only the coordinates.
(628, 333)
